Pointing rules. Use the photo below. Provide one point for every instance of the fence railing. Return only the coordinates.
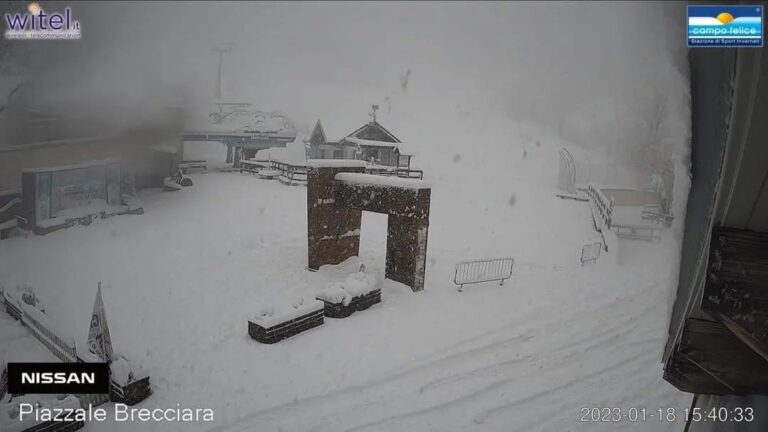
(469, 272)
(397, 172)
(290, 171)
(657, 217)
(601, 205)
(64, 351)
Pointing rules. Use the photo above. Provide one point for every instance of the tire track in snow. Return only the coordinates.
(380, 385)
(479, 419)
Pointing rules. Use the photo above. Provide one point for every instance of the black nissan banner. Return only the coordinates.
(55, 378)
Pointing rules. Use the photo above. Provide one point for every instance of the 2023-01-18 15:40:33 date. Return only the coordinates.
(669, 414)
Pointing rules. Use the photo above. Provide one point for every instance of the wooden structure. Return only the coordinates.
(371, 143)
(338, 192)
(719, 326)
(290, 174)
(242, 129)
(621, 211)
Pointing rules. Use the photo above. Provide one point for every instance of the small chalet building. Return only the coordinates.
(371, 143)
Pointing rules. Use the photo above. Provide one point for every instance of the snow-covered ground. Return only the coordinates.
(181, 281)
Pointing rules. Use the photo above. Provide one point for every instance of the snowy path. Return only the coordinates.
(535, 377)
(181, 280)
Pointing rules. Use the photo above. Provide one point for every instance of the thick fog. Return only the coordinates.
(595, 72)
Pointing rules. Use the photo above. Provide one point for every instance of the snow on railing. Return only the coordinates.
(55, 344)
(602, 204)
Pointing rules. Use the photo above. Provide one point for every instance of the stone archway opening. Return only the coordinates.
(338, 191)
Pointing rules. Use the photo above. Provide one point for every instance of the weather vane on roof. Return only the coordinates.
(374, 108)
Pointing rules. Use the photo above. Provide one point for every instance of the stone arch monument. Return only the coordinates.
(337, 193)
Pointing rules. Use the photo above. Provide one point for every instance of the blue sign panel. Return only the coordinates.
(725, 26)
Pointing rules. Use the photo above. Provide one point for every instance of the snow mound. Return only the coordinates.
(376, 180)
(271, 315)
(124, 371)
(355, 285)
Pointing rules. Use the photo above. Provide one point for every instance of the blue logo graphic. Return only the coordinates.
(725, 26)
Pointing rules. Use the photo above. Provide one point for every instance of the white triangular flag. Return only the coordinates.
(99, 340)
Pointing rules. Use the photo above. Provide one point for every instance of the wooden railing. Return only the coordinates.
(397, 172)
(290, 171)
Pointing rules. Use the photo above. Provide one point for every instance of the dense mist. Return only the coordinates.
(590, 71)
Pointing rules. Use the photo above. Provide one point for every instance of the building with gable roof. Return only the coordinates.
(371, 142)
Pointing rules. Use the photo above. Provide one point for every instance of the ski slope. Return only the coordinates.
(181, 281)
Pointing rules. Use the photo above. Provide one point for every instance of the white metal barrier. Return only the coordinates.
(591, 252)
(469, 272)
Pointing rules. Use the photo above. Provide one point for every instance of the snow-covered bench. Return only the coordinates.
(358, 292)
(272, 326)
(487, 270)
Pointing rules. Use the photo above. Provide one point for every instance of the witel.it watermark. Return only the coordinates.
(37, 24)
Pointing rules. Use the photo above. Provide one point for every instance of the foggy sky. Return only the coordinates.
(539, 60)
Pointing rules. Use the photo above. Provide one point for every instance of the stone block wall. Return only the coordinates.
(334, 217)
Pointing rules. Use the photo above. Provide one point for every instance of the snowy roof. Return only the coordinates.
(377, 180)
(403, 148)
(336, 163)
(241, 118)
(294, 153)
(336, 134)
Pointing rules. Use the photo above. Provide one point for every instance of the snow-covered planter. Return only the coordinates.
(358, 292)
(14, 299)
(10, 413)
(129, 383)
(271, 326)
